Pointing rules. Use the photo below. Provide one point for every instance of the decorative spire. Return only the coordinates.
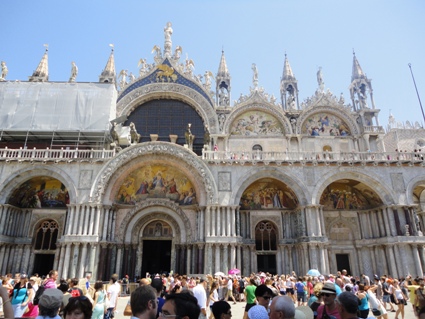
(108, 74)
(223, 88)
(288, 88)
(357, 70)
(287, 75)
(222, 68)
(41, 74)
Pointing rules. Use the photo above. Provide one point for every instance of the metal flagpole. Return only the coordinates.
(414, 82)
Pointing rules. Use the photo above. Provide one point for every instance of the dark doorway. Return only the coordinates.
(343, 262)
(43, 263)
(267, 263)
(156, 256)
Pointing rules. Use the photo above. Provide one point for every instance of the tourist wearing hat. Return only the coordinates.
(50, 304)
(257, 312)
(328, 294)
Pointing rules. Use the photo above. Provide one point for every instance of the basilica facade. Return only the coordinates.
(164, 171)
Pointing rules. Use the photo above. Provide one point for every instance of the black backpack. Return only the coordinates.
(38, 294)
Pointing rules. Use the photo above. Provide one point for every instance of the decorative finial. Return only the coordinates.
(255, 75)
(112, 46)
(46, 46)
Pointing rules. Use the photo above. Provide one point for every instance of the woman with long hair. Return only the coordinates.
(213, 297)
(21, 296)
(99, 301)
(399, 298)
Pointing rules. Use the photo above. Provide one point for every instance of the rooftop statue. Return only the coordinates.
(320, 81)
(189, 137)
(4, 71)
(168, 31)
(74, 72)
(255, 75)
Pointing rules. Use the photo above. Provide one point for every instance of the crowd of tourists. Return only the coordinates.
(317, 297)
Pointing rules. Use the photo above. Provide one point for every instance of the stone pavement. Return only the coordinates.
(238, 310)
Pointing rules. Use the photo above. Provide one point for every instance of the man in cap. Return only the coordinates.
(328, 294)
(200, 294)
(347, 305)
(50, 303)
(282, 307)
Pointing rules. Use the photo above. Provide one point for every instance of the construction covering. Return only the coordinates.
(55, 106)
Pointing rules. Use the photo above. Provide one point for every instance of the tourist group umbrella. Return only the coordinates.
(313, 272)
(234, 271)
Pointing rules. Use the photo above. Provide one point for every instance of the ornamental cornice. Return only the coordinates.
(263, 107)
(166, 90)
(332, 109)
(170, 150)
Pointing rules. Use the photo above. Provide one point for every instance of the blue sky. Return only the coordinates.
(385, 34)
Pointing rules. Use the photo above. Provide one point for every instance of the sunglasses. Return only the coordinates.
(327, 295)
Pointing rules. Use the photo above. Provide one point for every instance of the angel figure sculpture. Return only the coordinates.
(158, 56)
(123, 77)
(131, 77)
(74, 72)
(208, 75)
(177, 52)
(190, 65)
(4, 71)
(143, 67)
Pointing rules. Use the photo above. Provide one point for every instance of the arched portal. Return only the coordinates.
(156, 241)
(45, 237)
(266, 246)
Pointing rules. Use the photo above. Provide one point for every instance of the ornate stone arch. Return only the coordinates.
(262, 107)
(416, 181)
(20, 176)
(337, 111)
(103, 182)
(36, 219)
(372, 181)
(175, 91)
(257, 173)
(147, 211)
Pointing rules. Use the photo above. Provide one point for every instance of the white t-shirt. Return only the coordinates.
(230, 284)
(201, 295)
(113, 292)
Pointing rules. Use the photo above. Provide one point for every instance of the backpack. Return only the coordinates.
(75, 292)
(38, 294)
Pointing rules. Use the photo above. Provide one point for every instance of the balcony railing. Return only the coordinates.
(373, 129)
(349, 157)
(23, 154)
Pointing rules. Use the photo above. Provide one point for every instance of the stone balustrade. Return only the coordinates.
(327, 157)
(42, 155)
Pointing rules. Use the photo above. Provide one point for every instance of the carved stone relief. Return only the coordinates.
(85, 179)
(224, 181)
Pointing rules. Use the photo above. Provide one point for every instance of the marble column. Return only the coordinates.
(229, 222)
(418, 266)
(61, 255)
(92, 259)
(225, 263)
(238, 258)
(202, 224)
(279, 260)
(118, 265)
(97, 220)
(213, 220)
(391, 221)
(66, 264)
(2, 257)
(232, 263)
(75, 257)
(189, 259)
(391, 260)
(83, 264)
(217, 257)
(86, 210)
(208, 269)
(208, 222)
(218, 225)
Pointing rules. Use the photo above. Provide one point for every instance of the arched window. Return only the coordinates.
(257, 147)
(265, 236)
(158, 229)
(46, 235)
